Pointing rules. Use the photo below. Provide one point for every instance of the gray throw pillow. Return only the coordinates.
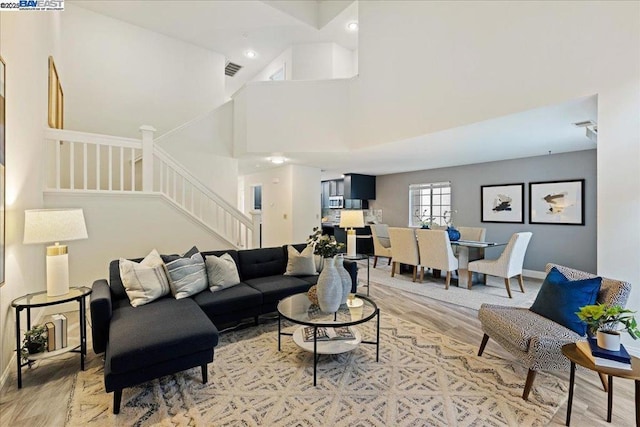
(300, 263)
(187, 276)
(221, 272)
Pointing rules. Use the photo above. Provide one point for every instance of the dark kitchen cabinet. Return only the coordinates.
(325, 194)
(362, 187)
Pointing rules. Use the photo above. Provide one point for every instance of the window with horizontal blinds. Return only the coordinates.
(429, 202)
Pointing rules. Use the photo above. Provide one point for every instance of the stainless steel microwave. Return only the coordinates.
(336, 202)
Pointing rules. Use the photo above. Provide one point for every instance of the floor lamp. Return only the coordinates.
(55, 225)
(351, 219)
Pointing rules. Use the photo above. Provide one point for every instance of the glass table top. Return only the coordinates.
(40, 299)
(299, 309)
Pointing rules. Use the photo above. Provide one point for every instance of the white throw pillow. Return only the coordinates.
(300, 263)
(145, 281)
(222, 272)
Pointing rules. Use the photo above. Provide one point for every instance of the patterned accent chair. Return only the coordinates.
(404, 249)
(436, 253)
(535, 340)
(381, 242)
(509, 263)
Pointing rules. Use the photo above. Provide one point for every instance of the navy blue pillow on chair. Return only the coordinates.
(559, 299)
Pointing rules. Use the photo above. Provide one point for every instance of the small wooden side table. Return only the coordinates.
(576, 356)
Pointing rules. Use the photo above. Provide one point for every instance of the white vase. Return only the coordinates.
(609, 340)
(338, 261)
(329, 288)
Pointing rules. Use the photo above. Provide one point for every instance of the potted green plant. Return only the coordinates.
(34, 341)
(603, 320)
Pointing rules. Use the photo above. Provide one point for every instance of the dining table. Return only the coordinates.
(467, 251)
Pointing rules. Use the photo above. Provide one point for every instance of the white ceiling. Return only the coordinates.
(269, 27)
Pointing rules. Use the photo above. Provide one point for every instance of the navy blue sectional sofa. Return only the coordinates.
(169, 335)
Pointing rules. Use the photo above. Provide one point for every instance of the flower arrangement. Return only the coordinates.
(448, 217)
(324, 245)
(602, 316)
(426, 221)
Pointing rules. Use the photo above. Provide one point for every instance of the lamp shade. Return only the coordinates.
(351, 219)
(54, 225)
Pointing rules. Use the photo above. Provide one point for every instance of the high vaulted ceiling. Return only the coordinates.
(268, 27)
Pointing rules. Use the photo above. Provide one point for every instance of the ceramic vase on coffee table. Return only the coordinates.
(329, 287)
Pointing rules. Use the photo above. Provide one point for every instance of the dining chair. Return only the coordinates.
(381, 242)
(509, 263)
(436, 253)
(476, 234)
(404, 249)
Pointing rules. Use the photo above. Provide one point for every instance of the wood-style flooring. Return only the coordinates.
(43, 399)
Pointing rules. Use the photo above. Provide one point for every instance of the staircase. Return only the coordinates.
(82, 162)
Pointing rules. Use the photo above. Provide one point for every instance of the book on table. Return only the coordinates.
(60, 322)
(602, 362)
(328, 334)
(51, 336)
(621, 355)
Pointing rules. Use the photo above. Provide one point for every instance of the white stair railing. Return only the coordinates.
(84, 162)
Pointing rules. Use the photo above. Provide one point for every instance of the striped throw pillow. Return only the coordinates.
(187, 275)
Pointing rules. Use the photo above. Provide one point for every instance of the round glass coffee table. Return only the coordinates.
(299, 310)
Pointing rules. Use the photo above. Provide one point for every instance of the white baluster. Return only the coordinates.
(85, 160)
(98, 184)
(147, 157)
(72, 166)
(133, 169)
(58, 172)
(110, 168)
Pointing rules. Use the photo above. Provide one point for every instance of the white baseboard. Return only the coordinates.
(534, 274)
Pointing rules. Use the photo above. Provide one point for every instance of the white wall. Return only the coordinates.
(619, 183)
(114, 232)
(313, 61)
(290, 206)
(276, 204)
(428, 66)
(26, 117)
(291, 116)
(205, 146)
(342, 62)
(119, 76)
(306, 194)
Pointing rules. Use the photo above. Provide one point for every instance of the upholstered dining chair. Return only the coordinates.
(535, 340)
(509, 263)
(436, 253)
(476, 234)
(404, 249)
(381, 242)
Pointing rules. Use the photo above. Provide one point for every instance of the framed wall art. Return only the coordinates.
(502, 203)
(557, 202)
(56, 98)
(3, 104)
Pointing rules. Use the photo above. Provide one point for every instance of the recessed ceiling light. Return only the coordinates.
(352, 26)
(277, 159)
(250, 54)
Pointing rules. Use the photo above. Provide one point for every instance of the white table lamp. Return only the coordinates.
(55, 225)
(351, 219)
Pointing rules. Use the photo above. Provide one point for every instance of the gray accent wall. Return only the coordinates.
(570, 245)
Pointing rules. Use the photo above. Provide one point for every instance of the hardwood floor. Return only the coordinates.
(46, 388)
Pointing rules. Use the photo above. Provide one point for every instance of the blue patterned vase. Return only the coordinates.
(453, 234)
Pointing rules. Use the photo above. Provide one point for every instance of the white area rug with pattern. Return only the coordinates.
(494, 292)
(423, 378)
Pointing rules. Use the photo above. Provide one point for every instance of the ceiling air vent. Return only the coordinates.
(231, 69)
